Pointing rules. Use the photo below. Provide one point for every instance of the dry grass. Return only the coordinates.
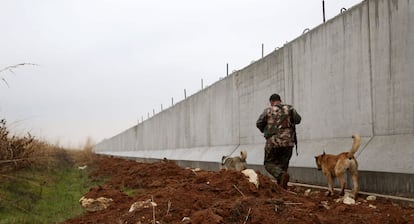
(39, 179)
(14, 151)
(85, 155)
(21, 152)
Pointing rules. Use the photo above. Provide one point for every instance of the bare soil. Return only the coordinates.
(188, 196)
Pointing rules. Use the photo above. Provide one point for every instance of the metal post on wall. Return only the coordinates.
(262, 50)
(227, 69)
(153, 112)
(161, 106)
(202, 84)
(172, 101)
(323, 10)
(185, 94)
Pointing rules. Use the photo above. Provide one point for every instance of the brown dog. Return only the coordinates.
(235, 163)
(336, 165)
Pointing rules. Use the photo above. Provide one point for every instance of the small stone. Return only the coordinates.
(349, 201)
(325, 205)
(139, 205)
(92, 205)
(372, 206)
(252, 175)
(307, 192)
(348, 195)
(82, 167)
(186, 220)
(339, 200)
(371, 198)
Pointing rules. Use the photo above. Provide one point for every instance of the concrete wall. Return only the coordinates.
(353, 74)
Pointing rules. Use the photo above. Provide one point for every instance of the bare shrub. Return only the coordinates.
(19, 152)
(14, 150)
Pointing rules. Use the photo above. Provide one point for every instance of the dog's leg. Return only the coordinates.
(353, 171)
(330, 185)
(355, 183)
(343, 183)
(341, 166)
(356, 186)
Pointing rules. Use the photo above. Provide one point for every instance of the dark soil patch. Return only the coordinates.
(221, 197)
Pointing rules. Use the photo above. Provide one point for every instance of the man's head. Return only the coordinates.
(274, 99)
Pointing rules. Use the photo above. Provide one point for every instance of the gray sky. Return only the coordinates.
(103, 64)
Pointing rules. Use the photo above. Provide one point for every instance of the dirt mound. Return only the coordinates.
(188, 196)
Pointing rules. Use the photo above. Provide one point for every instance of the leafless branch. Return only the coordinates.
(153, 210)
(11, 70)
(11, 67)
(239, 190)
(247, 217)
(169, 206)
(4, 80)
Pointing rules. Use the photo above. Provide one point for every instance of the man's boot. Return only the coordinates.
(284, 180)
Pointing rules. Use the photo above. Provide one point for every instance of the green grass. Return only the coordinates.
(42, 196)
(129, 191)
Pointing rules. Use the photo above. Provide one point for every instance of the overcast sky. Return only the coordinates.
(104, 64)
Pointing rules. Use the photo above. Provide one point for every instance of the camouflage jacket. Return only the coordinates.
(276, 122)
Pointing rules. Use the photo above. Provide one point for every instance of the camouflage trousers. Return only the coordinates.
(277, 159)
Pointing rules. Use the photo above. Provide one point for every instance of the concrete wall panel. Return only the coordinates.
(331, 87)
(392, 35)
(352, 74)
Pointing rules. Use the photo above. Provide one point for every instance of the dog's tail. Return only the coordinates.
(243, 156)
(355, 145)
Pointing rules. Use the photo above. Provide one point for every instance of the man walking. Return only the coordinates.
(277, 123)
